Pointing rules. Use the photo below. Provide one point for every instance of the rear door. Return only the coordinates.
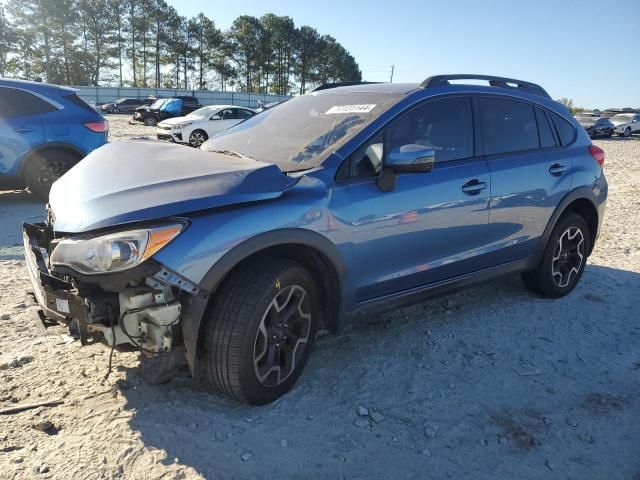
(20, 127)
(530, 171)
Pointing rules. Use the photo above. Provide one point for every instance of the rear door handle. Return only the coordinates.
(557, 169)
(24, 129)
(473, 187)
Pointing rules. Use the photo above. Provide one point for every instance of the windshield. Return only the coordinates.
(204, 112)
(621, 118)
(158, 103)
(120, 100)
(300, 133)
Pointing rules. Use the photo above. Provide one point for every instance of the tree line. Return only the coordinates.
(146, 43)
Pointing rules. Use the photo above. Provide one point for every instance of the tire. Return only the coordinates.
(251, 351)
(115, 110)
(197, 138)
(627, 132)
(560, 270)
(45, 168)
(150, 121)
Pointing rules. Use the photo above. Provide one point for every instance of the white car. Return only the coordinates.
(202, 124)
(626, 123)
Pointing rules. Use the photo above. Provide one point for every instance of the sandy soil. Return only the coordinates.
(488, 383)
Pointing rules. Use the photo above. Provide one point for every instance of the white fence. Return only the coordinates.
(101, 95)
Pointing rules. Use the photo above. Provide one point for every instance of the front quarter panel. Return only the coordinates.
(213, 233)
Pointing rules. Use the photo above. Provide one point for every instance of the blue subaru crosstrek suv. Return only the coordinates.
(332, 205)
(44, 131)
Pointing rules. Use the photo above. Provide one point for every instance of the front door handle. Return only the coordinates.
(473, 187)
(557, 169)
(24, 129)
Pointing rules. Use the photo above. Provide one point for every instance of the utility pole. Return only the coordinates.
(392, 67)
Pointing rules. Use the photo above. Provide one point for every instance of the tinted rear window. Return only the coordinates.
(78, 102)
(544, 130)
(507, 126)
(18, 103)
(565, 130)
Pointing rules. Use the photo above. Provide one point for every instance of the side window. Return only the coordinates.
(445, 125)
(242, 114)
(565, 130)
(544, 130)
(18, 103)
(507, 126)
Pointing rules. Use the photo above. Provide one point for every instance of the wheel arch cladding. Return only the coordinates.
(581, 201)
(310, 249)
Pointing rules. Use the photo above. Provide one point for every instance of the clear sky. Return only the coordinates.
(587, 50)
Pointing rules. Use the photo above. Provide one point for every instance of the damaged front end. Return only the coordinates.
(106, 289)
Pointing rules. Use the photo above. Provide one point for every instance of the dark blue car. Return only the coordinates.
(44, 131)
(334, 204)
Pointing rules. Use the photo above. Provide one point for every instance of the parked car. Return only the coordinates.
(122, 105)
(332, 205)
(595, 125)
(202, 124)
(626, 124)
(164, 108)
(44, 131)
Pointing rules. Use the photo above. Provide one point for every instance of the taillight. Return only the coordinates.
(597, 154)
(98, 127)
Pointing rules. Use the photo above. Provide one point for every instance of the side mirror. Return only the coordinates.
(411, 158)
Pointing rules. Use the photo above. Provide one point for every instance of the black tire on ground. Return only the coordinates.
(45, 168)
(264, 316)
(627, 132)
(115, 110)
(198, 137)
(150, 121)
(564, 258)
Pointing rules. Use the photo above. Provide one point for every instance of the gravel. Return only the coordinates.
(455, 376)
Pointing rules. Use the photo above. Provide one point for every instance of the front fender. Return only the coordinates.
(194, 307)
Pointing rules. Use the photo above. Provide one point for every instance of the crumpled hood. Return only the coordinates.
(140, 180)
(617, 123)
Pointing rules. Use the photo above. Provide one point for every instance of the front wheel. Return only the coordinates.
(115, 110)
(627, 132)
(197, 138)
(150, 122)
(260, 330)
(44, 169)
(564, 258)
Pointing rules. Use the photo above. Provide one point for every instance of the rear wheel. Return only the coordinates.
(150, 122)
(197, 138)
(564, 258)
(45, 168)
(260, 330)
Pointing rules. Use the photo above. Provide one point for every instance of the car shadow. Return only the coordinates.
(17, 207)
(453, 360)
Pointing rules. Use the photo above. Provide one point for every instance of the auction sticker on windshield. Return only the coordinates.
(351, 109)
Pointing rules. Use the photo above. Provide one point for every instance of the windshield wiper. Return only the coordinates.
(233, 153)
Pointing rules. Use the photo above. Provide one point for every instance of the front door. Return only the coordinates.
(432, 226)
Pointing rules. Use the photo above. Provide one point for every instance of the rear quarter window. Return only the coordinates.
(566, 131)
(544, 130)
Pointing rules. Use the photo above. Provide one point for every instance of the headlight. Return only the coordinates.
(113, 252)
(178, 126)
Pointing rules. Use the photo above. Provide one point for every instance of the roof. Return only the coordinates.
(34, 86)
(394, 88)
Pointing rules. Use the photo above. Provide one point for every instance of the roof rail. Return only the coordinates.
(502, 82)
(327, 86)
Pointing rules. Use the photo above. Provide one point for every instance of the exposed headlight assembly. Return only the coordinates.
(113, 252)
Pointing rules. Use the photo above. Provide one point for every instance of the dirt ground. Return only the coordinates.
(489, 383)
